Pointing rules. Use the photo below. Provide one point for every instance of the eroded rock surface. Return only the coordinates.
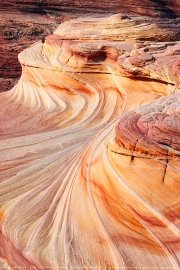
(24, 22)
(153, 129)
(89, 142)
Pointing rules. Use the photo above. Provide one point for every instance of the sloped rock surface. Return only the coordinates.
(89, 142)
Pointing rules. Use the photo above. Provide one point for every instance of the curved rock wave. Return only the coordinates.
(89, 177)
(154, 129)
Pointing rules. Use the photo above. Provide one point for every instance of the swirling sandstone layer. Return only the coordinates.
(153, 130)
(89, 177)
(24, 22)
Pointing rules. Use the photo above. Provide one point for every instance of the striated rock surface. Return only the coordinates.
(153, 130)
(89, 143)
(24, 22)
(166, 8)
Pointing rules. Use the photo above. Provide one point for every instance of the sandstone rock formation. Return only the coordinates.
(153, 130)
(24, 22)
(89, 143)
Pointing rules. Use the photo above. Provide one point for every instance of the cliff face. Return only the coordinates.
(89, 142)
(167, 8)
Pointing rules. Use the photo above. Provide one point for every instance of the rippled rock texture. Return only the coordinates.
(24, 22)
(89, 141)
